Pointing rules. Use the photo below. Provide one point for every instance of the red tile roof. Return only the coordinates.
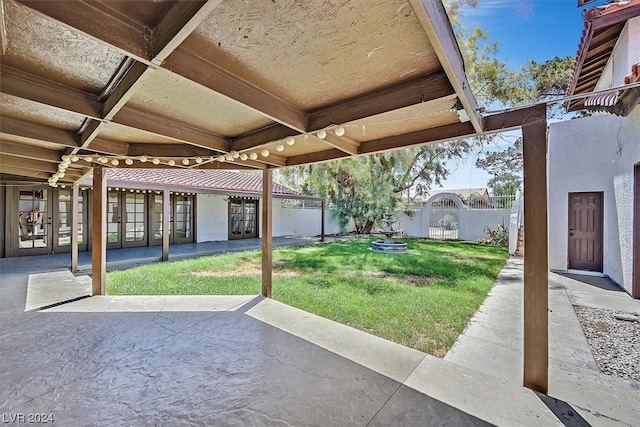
(193, 180)
(602, 28)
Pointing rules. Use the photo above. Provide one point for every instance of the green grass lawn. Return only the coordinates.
(422, 299)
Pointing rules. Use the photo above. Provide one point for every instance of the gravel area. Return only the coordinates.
(614, 343)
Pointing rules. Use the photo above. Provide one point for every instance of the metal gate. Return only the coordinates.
(444, 219)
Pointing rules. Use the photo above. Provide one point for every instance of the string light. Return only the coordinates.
(339, 131)
(265, 153)
(155, 161)
(290, 140)
(129, 162)
(253, 156)
(280, 147)
(143, 159)
(243, 157)
(172, 162)
(322, 134)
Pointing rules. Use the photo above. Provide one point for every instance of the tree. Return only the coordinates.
(505, 184)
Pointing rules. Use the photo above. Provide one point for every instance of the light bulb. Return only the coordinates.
(321, 134)
(280, 147)
(155, 161)
(143, 159)
(198, 160)
(253, 156)
(265, 153)
(74, 158)
(243, 157)
(88, 159)
(171, 162)
(229, 157)
(290, 140)
(128, 161)
(185, 162)
(66, 158)
(115, 162)
(221, 159)
(339, 131)
(234, 154)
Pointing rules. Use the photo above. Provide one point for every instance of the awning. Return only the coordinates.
(606, 99)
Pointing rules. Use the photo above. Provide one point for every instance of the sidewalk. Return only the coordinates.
(492, 344)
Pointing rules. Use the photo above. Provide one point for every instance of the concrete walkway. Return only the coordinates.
(492, 344)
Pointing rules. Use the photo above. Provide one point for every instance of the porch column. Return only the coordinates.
(166, 217)
(99, 231)
(536, 265)
(322, 223)
(75, 194)
(267, 212)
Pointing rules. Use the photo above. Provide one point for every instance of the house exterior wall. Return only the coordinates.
(212, 217)
(597, 154)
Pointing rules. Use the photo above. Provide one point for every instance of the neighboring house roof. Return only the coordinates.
(463, 192)
(602, 28)
(197, 180)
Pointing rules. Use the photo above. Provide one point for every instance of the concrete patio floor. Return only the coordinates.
(246, 360)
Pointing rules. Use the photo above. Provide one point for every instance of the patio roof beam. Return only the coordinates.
(38, 89)
(439, 134)
(17, 171)
(435, 23)
(29, 152)
(168, 128)
(25, 130)
(423, 89)
(205, 72)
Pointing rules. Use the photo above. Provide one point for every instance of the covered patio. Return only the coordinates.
(224, 360)
(90, 85)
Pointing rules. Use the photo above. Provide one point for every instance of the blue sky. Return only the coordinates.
(524, 29)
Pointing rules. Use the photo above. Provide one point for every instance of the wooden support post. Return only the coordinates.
(99, 231)
(322, 223)
(536, 264)
(166, 218)
(267, 212)
(75, 203)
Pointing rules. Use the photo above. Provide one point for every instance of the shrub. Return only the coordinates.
(497, 237)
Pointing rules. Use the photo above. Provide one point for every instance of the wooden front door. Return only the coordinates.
(585, 231)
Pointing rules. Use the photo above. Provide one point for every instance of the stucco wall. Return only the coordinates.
(595, 154)
(213, 221)
(473, 221)
(212, 217)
